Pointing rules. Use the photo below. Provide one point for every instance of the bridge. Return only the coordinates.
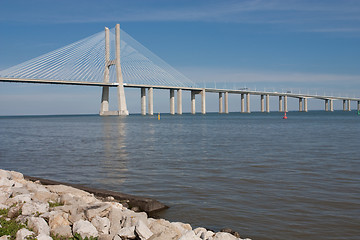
(105, 60)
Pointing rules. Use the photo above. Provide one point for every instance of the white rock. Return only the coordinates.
(19, 199)
(142, 230)
(199, 231)
(45, 196)
(59, 224)
(6, 182)
(190, 235)
(85, 229)
(43, 237)
(128, 232)
(23, 233)
(16, 175)
(35, 187)
(182, 227)
(102, 224)
(97, 209)
(5, 174)
(5, 237)
(4, 196)
(39, 225)
(31, 208)
(2, 206)
(163, 229)
(115, 216)
(207, 235)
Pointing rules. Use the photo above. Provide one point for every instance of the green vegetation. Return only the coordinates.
(55, 204)
(9, 226)
(76, 237)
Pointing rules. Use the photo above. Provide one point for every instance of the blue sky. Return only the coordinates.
(306, 46)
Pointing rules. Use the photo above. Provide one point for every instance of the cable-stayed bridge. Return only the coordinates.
(115, 59)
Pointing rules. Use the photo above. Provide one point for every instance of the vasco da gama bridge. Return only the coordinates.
(108, 60)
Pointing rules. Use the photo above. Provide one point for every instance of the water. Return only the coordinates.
(260, 175)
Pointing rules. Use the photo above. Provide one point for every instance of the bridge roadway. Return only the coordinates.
(195, 90)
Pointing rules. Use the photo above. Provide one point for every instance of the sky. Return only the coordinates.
(298, 45)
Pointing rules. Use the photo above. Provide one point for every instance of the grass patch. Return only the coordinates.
(55, 204)
(9, 227)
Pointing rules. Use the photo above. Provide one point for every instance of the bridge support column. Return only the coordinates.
(358, 106)
(267, 103)
(104, 100)
(331, 105)
(348, 105)
(326, 105)
(242, 103)
(203, 101)
(226, 102)
(193, 102)
(285, 104)
(143, 101)
(280, 104)
(172, 101)
(344, 105)
(300, 104)
(179, 101)
(104, 108)
(220, 102)
(248, 102)
(305, 105)
(151, 101)
(262, 103)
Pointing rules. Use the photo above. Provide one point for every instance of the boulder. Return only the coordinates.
(45, 196)
(35, 187)
(200, 231)
(4, 196)
(23, 233)
(30, 208)
(207, 235)
(115, 216)
(97, 209)
(5, 182)
(19, 191)
(85, 229)
(5, 237)
(163, 230)
(62, 231)
(14, 211)
(102, 224)
(5, 174)
(105, 237)
(190, 235)
(224, 236)
(127, 232)
(16, 175)
(43, 237)
(39, 225)
(18, 199)
(182, 227)
(2, 206)
(130, 218)
(142, 230)
(59, 224)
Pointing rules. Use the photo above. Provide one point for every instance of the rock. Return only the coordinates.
(16, 175)
(182, 227)
(105, 237)
(2, 206)
(224, 236)
(229, 230)
(115, 216)
(39, 226)
(59, 224)
(98, 209)
(43, 237)
(45, 196)
(190, 235)
(19, 191)
(62, 189)
(19, 199)
(163, 230)
(6, 182)
(199, 231)
(14, 211)
(127, 232)
(4, 196)
(130, 218)
(102, 224)
(23, 233)
(142, 230)
(85, 229)
(5, 237)
(207, 235)
(35, 187)
(31, 208)
(5, 174)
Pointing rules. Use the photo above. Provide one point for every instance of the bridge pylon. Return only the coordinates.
(104, 109)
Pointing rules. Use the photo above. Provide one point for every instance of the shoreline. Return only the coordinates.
(45, 209)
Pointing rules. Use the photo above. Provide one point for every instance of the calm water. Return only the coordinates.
(260, 175)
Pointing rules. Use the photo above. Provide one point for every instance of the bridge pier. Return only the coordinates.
(358, 106)
(267, 103)
(220, 102)
(143, 101)
(280, 104)
(104, 100)
(344, 105)
(193, 101)
(172, 101)
(262, 103)
(242, 103)
(305, 105)
(248, 102)
(179, 101)
(300, 104)
(348, 105)
(151, 101)
(285, 104)
(203, 101)
(331, 105)
(226, 102)
(326, 105)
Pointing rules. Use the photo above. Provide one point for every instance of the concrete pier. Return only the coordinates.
(248, 102)
(143, 101)
(220, 102)
(203, 101)
(242, 103)
(267, 103)
(348, 105)
(326, 105)
(193, 102)
(331, 105)
(151, 101)
(179, 101)
(172, 101)
(344, 105)
(280, 104)
(226, 102)
(285, 104)
(300, 104)
(262, 103)
(358, 106)
(305, 105)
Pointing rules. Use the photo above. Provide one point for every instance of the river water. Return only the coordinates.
(260, 175)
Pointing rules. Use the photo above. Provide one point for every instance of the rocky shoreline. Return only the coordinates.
(30, 210)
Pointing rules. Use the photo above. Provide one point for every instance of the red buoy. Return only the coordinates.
(285, 117)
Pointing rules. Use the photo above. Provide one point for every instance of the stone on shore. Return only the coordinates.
(39, 225)
(102, 224)
(23, 234)
(142, 230)
(85, 229)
